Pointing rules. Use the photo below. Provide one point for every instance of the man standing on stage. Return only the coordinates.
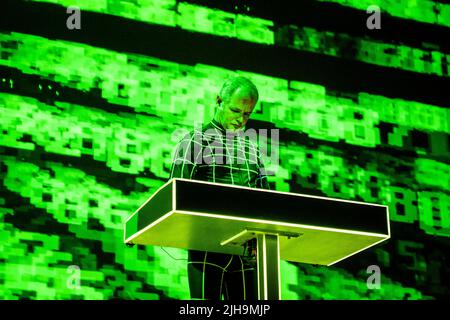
(219, 152)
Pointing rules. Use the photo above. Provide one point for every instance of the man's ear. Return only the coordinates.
(219, 102)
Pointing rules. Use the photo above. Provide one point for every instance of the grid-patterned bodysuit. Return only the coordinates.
(213, 155)
(210, 154)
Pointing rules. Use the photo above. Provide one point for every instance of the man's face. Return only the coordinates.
(237, 110)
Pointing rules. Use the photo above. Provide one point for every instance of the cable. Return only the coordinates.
(223, 272)
(179, 259)
(203, 277)
(243, 277)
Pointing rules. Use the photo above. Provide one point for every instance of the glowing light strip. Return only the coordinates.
(285, 224)
(174, 203)
(279, 267)
(388, 220)
(265, 266)
(225, 242)
(280, 192)
(257, 269)
(154, 223)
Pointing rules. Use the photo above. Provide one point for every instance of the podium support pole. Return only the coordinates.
(268, 266)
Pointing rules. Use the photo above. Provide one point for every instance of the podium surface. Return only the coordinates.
(215, 217)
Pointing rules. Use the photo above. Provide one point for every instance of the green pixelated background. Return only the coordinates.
(89, 121)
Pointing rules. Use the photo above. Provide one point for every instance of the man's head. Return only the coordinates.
(235, 103)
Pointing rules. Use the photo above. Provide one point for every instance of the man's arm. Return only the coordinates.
(183, 164)
(261, 180)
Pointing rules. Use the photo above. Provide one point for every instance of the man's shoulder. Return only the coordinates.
(204, 131)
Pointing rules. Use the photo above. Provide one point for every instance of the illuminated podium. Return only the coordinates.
(198, 215)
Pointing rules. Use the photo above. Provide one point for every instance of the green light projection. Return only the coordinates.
(421, 60)
(184, 15)
(247, 28)
(60, 206)
(422, 10)
(132, 73)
